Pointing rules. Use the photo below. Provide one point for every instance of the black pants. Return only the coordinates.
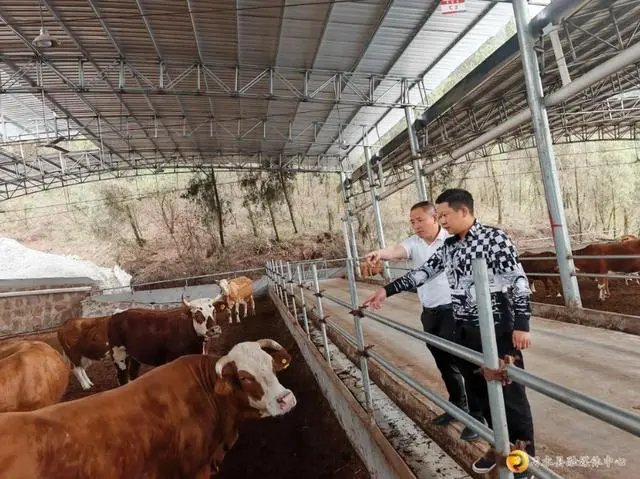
(440, 322)
(518, 411)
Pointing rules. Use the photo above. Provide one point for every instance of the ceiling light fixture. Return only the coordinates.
(44, 39)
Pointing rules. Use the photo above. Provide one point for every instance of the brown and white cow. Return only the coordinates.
(83, 341)
(155, 337)
(178, 420)
(235, 292)
(32, 375)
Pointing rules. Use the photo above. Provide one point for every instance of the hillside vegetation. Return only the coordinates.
(166, 226)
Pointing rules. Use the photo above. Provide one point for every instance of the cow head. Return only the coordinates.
(224, 286)
(203, 315)
(250, 372)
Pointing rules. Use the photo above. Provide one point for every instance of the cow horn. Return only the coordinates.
(221, 363)
(269, 343)
(186, 303)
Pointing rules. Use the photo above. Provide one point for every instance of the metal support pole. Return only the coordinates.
(540, 120)
(345, 219)
(283, 281)
(354, 244)
(276, 278)
(305, 320)
(293, 296)
(491, 360)
(364, 365)
(323, 325)
(415, 152)
(374, 199)
(276, 265)
(353, 251)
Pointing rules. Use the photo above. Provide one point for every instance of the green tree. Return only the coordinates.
(204, 193)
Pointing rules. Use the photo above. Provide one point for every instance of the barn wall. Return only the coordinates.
(25, 306)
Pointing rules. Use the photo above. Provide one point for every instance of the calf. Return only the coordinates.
(83, 341)
(235, 292)
(32, 375)
(178, 420)
(368, 270)
(154, 337)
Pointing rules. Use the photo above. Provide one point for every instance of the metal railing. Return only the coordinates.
(185, 279)
(283, 282)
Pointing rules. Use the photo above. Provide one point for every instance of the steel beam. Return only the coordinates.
(271, 83)
(544, 144)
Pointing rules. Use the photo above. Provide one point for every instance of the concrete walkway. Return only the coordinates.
(597, 362)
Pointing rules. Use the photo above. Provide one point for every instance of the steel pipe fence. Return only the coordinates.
(186, 279)
(489, 359)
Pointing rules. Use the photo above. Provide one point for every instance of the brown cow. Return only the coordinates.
(368, 270)
(235, 292)
(154, 337)
(542, 266)
(176, 421)
(32, 375)
(83, 341)
(605, 265)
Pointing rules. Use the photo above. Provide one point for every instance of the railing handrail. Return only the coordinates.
(606, 412)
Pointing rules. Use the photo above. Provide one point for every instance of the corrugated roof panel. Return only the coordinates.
(258, 31)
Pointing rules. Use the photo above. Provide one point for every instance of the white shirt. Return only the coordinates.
(435, 292)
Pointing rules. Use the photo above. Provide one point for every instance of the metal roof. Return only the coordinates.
(590, 33)
(168, 85)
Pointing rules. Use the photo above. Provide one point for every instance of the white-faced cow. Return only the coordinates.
(155, 337)
(32, 375)
(235, 292)
(83, 341)
(178, 420)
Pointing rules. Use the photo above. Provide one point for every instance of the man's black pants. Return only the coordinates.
(518, 411)
(440, 322)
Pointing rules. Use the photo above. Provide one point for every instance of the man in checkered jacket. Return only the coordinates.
(510, 301)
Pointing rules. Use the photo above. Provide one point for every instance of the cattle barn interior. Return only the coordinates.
(389, 96)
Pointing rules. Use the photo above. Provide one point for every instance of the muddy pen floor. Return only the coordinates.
(308, 442)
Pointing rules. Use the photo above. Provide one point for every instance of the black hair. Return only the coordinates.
(457, 198)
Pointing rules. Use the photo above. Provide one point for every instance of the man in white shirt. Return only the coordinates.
(435, 296)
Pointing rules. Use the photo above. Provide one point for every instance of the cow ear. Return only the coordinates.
(281, 359)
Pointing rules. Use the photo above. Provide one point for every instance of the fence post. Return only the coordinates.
(546, 155)
(274, 272)
(491, 361)
(284, 284)
(323, 324)
(357, 315)
(292, 294)
(305, 320)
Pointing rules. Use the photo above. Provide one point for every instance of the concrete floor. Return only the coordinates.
(597, 362)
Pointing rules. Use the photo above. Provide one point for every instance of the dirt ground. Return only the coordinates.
(624, 299)
(306, 443)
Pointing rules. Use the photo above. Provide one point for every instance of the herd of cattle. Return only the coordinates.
(177, 420)
(607, 262)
